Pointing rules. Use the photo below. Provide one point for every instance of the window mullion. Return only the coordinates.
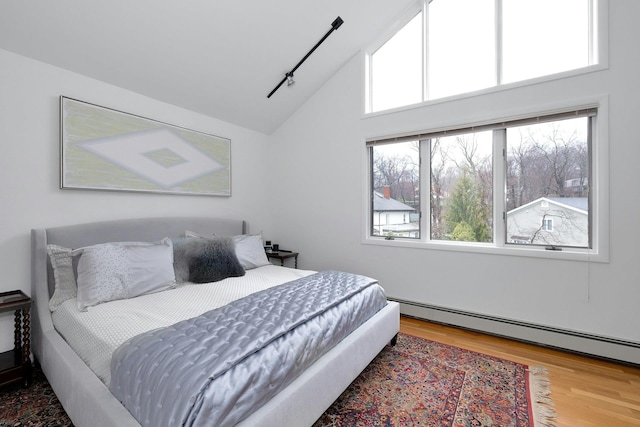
(593, 42)
(370, 224)
(499, 187)
(368, 89)
(425, 51)
(425, 189)
(591, 182)
(498, 41)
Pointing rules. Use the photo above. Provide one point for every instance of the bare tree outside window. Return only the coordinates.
(547, 180)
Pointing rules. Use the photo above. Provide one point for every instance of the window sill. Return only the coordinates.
(566, 254)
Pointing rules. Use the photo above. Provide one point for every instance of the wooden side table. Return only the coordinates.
(15, 365)
(282, 255)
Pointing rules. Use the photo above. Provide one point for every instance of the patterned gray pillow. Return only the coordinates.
(120, 270)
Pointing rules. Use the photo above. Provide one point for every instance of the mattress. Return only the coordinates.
(95, 334)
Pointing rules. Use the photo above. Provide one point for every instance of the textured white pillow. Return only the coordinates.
(250, 251)
(65, 279)
(112, 271)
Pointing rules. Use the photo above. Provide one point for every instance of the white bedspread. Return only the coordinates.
(95, 334)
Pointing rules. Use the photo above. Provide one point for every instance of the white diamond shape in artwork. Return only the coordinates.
(131, 152)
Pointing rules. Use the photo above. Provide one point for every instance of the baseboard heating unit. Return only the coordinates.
(579, 342)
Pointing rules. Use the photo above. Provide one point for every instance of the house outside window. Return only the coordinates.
(396, 216)
(563, 222)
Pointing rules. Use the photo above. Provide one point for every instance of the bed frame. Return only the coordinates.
(88, 401)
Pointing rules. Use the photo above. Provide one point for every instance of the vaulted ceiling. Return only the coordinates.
(216, 57)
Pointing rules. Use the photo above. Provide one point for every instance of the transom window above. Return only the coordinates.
(451, 47)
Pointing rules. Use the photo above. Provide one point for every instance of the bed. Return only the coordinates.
(89, 401)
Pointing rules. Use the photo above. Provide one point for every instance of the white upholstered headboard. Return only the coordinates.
(124, 230)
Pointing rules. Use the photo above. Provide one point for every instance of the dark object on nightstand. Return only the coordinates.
(15, 365)
(282, 255)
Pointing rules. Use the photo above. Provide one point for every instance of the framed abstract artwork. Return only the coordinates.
(106, 149)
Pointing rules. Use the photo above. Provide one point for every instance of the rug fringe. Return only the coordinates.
(544, 414)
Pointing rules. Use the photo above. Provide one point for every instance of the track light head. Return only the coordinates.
(290, 81)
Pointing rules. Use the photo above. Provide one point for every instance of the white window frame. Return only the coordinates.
(598, 57)
(599, 199)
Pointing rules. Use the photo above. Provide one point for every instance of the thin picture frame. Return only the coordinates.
(106, 149)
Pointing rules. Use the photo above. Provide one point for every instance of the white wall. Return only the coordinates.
(29, 173)
(319, 152)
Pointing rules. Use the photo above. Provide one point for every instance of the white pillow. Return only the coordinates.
(112, 271)
(64, 277)
(250, 251)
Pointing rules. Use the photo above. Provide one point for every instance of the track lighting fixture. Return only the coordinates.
(289, 75)
(290, 81)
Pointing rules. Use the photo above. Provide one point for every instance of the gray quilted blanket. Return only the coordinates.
(216, 369)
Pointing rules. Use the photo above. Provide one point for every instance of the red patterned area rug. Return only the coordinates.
(424, 383)
(416, 383)
(33, 406)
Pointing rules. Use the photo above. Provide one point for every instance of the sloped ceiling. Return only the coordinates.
(216, 57)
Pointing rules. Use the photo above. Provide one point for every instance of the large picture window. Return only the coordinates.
(538, 195)
(451, 47)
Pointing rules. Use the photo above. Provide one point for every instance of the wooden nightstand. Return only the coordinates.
(282, 255)
(15, 365)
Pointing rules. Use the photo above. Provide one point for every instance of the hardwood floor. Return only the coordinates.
(587, 392)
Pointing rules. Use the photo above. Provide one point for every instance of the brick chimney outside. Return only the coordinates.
(387, 192)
